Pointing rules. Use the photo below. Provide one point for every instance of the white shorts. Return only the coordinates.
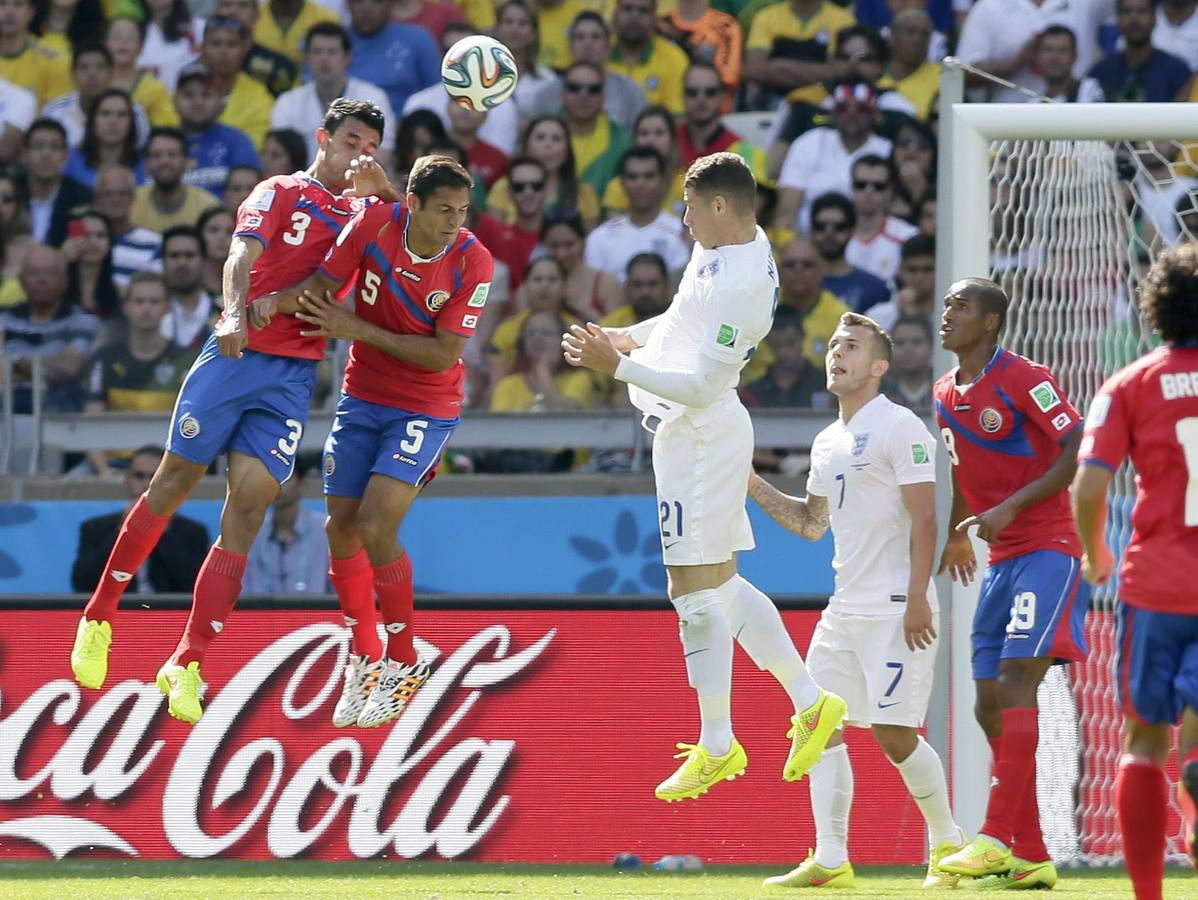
(701, 466)
(865, 659)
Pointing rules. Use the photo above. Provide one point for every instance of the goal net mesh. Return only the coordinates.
(1074, 227)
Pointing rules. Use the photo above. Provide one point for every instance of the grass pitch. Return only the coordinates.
(305, 880)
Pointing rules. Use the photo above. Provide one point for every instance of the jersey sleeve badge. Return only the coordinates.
(1045, 397)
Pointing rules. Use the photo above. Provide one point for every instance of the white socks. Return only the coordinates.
(831, 785)
(707, 646)
(923, 774)
(758, 628)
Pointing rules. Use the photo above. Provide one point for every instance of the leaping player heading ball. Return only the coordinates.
(422, 281)
(1149, 411)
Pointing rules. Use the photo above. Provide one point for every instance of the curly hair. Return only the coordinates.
(1169, 294)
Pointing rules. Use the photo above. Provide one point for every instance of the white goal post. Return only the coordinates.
(1027, 146)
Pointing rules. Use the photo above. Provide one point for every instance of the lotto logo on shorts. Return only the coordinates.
(189, 426)
(404, 459)
(726, 336)
(1045, 396)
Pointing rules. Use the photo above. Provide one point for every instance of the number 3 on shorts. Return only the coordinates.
(288, 445)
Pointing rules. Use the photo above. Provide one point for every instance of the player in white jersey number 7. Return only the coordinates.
(682, 369)
(873, 478)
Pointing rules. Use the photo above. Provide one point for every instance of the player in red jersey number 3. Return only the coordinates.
(422, 281)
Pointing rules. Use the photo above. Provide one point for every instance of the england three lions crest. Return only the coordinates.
(860, 442)
(436, 300)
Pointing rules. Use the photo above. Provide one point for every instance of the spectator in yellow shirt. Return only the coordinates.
(26, 61)
(654, 127)
(544, 291)
(541, 380)
(653, 62)
(284, 24)
(909, 71)
(276, 72)
(596, 140)
(790, 47)
(553, 21)
(547, 140)
(247, 102)
(124, 39)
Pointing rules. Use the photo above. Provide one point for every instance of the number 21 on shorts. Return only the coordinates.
(671, 519)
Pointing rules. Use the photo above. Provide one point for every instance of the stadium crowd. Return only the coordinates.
(130, 131)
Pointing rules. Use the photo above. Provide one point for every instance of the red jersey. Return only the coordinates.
(509, 243)
(297, 220)
(1149, 410)
(405, 294)
(1002, 432)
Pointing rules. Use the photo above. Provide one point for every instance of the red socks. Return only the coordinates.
(393, 583)
(136, 540)
(1141, 797)
(217, 587)
(1015, 767)
(353, 580)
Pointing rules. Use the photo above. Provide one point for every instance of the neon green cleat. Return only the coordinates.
(1022, 876)
(89, 656)
(809, 733)
(700, 771)
(182, 687)
(981, 857)
(936, 877)
(811, 874)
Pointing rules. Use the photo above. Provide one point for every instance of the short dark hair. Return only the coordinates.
(588, 15)
(154, 450)
(227, 23)
(990, 296)
(643, 152)
(590, 67)
(144, 277)
(363, 110)
(918, 245)
(293, 145)
(1059, 31)
(527, 161)
(45, 124)
(840, 202)
(920, 322)
(883, 345)
(706, 66)
(431, 173)
(723, 174)
(90, 47)
(571, 218)
(787, 317)
(170, 132)
(331, 30)
(879, 162)
(870, 35)
(1169, 294)
(648, 259)
(182, 231)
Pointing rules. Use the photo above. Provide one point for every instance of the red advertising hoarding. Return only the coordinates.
(539, 738)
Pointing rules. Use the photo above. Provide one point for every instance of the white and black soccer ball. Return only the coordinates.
(479, 72)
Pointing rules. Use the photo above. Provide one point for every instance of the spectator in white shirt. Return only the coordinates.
(1176, 30)
(1055, 56)
(91, 71)
(17, 110)
(539, 89)
(646, 228)
(917, 284)
(192, 308)
(879, 236)
(327, 51)
(820, 162)
(173, 38)
(134, 249)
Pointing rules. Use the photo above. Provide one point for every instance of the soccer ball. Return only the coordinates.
(479, 73)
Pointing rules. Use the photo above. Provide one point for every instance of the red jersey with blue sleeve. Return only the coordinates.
(297, 219)
(1002, 432)
(1149, 411)
(406, 294)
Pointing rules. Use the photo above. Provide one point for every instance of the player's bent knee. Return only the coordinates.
(896, 741)
(173, 483)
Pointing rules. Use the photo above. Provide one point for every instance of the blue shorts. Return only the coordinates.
(1031, 606)
(256, 405)
(1157, 664)
(369, 438)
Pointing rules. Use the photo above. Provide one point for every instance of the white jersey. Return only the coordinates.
(723, 309)
(860, 466)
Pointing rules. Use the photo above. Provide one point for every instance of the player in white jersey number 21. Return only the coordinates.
(682, 368)
(873, 477)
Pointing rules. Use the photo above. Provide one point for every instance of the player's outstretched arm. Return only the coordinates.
(958, 559)
(1089, 509)
(329, 319)
(287, 301)
(920, 502)
(804, 516)
(1052, 482)
(232, 334)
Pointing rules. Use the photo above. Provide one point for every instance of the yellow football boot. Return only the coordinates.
(809, 733)
(700, 770)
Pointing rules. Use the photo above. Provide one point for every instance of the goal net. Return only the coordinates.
(1074, 226)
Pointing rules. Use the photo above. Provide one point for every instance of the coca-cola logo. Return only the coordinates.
(233, 740)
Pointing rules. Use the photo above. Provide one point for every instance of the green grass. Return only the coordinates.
(306, 880)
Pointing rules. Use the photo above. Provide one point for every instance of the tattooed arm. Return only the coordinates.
(805, 516)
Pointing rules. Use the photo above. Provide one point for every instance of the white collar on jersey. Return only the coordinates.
(316, 181)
